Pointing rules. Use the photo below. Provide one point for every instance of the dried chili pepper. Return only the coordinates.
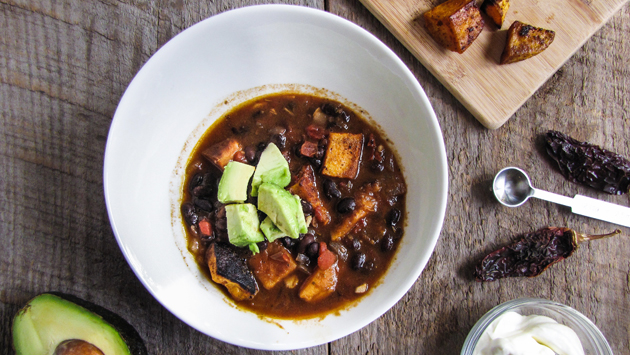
(533, 253)
(589, 164)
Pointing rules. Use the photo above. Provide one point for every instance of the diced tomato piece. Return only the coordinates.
(315, 132)
(309, 149)
(326, 257)
(205, 228)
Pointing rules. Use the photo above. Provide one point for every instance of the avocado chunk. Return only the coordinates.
(272, 168)
(271, 231)
(284, 209)
(234, 181)
(46, 324)
(242, 226)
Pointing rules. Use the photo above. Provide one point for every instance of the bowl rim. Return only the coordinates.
(479, 328)
(375, 44)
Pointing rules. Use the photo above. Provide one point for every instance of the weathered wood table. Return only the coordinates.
(64, 66)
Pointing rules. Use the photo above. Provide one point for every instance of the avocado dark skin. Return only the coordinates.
(59, 302)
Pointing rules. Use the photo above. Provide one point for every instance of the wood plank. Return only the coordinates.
(493, 92)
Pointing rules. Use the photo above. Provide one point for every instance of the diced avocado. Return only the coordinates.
(301, 219)
(242, 226)
(284, 209)
(272, 168)
(271, 231)
(234, 181)
(53, 322)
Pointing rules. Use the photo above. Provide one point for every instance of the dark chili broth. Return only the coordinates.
(254, 124)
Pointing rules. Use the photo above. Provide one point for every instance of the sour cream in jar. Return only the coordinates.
(515, 334)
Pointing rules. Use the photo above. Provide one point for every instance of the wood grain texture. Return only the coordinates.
(493, 92)
(64, 66)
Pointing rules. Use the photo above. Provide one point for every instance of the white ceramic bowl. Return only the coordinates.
(202, 73)
(592, 339)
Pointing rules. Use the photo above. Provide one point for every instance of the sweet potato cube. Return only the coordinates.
(454, 24)
(496, 10)
(343, 155)
(320, 284)
(305, 187)
(525, 41)
(228, 269)
(222, 153)
(272, 265)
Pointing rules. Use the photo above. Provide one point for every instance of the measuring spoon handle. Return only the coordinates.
(602, 210)
(551, 197)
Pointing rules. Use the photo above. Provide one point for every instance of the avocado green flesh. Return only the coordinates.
(271, 231)
(242, 225)
(234, 181)
(47, 320)
(284, 209)
(272, 168)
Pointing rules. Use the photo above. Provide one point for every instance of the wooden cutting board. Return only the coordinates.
(493, 92)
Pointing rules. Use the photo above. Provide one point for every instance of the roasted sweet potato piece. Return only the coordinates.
(343, 155)
(366, 203)
(306, 188)
(496, 10)
(228, 269)
(454, 24)
(525, 41)
(222, 153)
(320, 284)
(272, 265)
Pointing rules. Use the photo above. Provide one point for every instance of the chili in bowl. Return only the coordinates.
(170, 213)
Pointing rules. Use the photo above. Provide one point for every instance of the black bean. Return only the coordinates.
(202, 191)
(250, 154)
(356, 244)
(288, 242)
(317, 163)
(189, 214)
(323, 143)
(358, 261)
(203, 204)
(262, 245)
(387, 243)
(377, 167)
(307, 208)
(279, 140)
(331, 190)
(312, 250)
(305, 242)
(393, 217)
(195, 181)
(221, 224)
(261, 215)
(346, 205)
(329, 109)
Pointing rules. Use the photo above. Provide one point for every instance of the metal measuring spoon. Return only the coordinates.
(512, 188)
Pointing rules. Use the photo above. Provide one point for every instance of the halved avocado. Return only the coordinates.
(51, 319)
